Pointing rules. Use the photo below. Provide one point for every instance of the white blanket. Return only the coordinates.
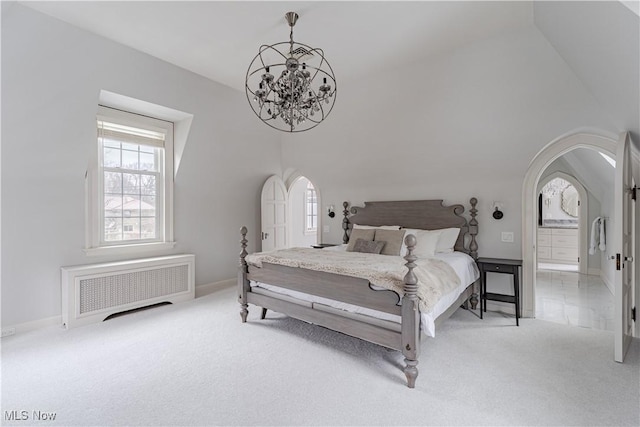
(435, 277)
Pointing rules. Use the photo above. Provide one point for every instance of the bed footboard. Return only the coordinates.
(406, 338)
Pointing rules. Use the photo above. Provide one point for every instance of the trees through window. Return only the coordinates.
(132, 196)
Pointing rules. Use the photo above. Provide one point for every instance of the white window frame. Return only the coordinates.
(307, 230)
(95, 190)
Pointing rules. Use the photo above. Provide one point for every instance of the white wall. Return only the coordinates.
(600, 41)
(52, 74)
(464, 124)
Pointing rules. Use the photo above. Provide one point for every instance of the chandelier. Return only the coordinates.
(554, 187)
(290, 86)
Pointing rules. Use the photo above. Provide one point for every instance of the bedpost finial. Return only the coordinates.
(243, 230)
(410, 241)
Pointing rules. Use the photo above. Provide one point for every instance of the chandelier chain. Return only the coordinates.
(291, 41)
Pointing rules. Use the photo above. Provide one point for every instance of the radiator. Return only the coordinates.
(91, 293)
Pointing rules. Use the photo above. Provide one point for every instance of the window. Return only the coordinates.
(311, 209)
(132, 185)
(609, 160)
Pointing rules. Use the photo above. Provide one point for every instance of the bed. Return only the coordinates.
(389, 299)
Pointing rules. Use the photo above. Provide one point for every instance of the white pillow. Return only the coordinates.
(427, 240)
(382, 227)
(447, 240)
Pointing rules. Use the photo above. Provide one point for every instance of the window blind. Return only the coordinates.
(127, 134)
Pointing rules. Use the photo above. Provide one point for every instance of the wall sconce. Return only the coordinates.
(497, 210)
(330, 211)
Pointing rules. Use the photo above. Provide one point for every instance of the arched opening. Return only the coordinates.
(562, 218)
(290, 212)
(530, 194)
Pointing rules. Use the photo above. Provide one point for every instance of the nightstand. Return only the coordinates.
(499, 265)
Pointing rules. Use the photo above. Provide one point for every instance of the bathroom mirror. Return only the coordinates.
(569, 202)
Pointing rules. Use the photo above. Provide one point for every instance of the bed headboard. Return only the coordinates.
(421, 214)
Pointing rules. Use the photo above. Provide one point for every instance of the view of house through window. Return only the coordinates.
(131, 162)
(311, 209)
(130, 174)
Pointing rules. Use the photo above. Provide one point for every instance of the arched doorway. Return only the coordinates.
(539, 164)
(290, 213)
(553, 207)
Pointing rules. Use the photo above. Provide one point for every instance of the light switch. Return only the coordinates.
(507, 236)
(325, 229)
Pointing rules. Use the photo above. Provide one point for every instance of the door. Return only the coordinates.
(274, 214)
(622, 245)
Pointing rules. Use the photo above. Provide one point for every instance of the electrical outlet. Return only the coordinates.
(507, 236)
(8, 331)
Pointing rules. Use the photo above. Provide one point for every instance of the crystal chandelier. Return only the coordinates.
(304, 91)
(554, 187)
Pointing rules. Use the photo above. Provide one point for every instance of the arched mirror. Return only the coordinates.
(569, 202)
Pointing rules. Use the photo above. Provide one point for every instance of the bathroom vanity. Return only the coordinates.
(558, 242)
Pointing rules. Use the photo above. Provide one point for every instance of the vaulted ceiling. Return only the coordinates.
(218, 39)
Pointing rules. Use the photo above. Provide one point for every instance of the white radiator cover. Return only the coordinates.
(91, 293)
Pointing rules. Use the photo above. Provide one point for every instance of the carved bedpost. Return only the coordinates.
(345, 222)
(473, 245)
(473, 229)
(410, 315)
(243, 282)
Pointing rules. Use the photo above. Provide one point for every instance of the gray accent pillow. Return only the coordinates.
(393, 239)
(359, 234)
(368, 246)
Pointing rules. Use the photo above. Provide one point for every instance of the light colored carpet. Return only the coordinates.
(195, 363)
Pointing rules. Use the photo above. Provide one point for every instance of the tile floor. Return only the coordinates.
(574, 299)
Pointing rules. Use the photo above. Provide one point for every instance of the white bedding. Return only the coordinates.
(462, 264)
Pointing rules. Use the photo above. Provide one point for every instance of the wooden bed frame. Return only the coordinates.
(405, 337)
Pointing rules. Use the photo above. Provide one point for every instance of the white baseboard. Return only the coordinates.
(608, 284)
(21, 328)
(209, 288)
(593, 271)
